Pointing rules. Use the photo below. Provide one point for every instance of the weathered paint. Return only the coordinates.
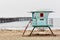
(37, 20)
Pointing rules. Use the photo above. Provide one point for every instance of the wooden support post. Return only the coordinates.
(27, 27)
(32, 31)
(51, 30)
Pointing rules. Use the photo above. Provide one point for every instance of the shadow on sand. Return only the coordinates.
(41, 35)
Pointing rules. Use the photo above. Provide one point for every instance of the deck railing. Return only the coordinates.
(50, 21)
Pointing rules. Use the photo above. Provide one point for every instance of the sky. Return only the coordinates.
(21, 8)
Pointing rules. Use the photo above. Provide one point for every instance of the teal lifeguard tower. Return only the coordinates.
(40, 19)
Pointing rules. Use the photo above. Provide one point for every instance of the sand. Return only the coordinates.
(37, 35)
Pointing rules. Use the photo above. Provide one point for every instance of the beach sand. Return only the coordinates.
(36, 35)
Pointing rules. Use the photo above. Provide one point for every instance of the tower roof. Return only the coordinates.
(41, 11)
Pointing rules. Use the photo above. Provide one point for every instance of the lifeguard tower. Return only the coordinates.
(39, 19)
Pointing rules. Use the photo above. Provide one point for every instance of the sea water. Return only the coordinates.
(20, 25)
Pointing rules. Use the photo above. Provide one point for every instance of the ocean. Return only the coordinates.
(20, 25)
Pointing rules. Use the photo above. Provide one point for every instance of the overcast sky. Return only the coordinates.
(20, 8)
